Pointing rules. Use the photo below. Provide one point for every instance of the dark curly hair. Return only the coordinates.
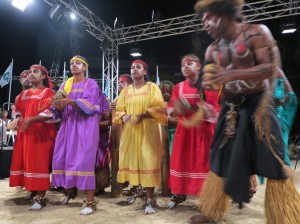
(230, 8)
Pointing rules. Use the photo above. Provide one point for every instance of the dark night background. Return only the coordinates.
(31, 36)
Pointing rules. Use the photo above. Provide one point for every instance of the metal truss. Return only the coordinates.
(54, 71)
(265, 10)
(95, 26)
(255, 11)
(110, 70)
(102, 32)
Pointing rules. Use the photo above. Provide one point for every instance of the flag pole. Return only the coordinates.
(64, 75)
(10, 81)
(157, 76)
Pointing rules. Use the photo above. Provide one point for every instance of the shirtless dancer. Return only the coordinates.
(247, 137)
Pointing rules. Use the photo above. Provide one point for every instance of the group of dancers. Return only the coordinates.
(228, 121)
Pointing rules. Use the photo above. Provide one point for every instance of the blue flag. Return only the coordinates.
(6, 77)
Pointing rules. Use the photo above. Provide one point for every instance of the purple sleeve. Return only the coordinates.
(89, 102)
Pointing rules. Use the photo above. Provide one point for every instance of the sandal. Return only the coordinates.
(150, 206)
(38, 203)
(175, 200)
(69, 195)
(138, 191)
(88, 207)
(252, 191)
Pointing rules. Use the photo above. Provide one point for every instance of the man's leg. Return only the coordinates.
(282, 202)
(213, 201)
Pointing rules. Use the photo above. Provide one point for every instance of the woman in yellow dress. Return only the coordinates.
(141, 108)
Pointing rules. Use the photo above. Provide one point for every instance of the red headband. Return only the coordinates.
(189, 59)
(44, 69)
(141, 62)
(25, 71)
(40, 67)
(128, 79)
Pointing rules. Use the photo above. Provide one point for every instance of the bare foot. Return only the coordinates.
(198, 219)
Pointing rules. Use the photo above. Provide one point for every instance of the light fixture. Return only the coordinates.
(73, 16)
(156, 15)
(136, 54)
(21, 4)
(135, 50)
(55, 12)
(118, 23)
(289, 28)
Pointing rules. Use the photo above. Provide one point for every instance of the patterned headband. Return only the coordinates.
(80, 59)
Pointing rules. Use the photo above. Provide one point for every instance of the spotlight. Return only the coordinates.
(135, 51)
(156, 15)
(73, 16)
(55, 12)
(289, 28)
(119, 23)
(21, 4)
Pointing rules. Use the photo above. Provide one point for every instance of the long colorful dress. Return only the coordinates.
(140, 144)
(102, 159)
(285, 113)
(189, 164)
(77, 140)
(103, 151)
(33, 148)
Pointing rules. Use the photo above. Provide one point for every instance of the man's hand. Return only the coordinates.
(216, 77)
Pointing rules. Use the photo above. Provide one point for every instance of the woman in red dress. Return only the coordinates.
(34, 144)
(189, 162)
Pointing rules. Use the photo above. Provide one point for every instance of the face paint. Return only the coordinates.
(211, 22)
(24, 80)
(123, 82)
(189, 66)
(80, 66)
(34, 73)
(166, 90)
(76, 65)
(189, 62)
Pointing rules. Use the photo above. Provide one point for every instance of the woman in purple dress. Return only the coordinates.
(77, 140)
(103, 152)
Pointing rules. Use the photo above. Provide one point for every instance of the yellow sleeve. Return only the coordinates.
(120, 108)
(157, 110)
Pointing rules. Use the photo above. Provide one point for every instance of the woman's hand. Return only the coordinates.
(26, 123)
(172, 121)
(61, 103)
(126, 118)
(140, 117)
(113, 106)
